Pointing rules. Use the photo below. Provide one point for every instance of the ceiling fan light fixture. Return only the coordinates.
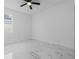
(29, 3)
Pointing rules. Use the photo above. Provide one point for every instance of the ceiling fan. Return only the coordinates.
(29, 3)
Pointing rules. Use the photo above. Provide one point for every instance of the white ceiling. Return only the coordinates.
(45, 4)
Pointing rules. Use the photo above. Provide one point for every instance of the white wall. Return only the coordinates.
(55, 25)
(21, 27)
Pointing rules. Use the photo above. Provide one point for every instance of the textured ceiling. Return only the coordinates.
(45, 4)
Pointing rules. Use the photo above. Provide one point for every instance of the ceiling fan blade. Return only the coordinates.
(36, 3)
(30, 7)
(23, 5)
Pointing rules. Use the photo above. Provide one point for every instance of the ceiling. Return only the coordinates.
(45, 4)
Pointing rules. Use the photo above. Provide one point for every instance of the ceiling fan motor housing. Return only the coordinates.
(28, 0)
